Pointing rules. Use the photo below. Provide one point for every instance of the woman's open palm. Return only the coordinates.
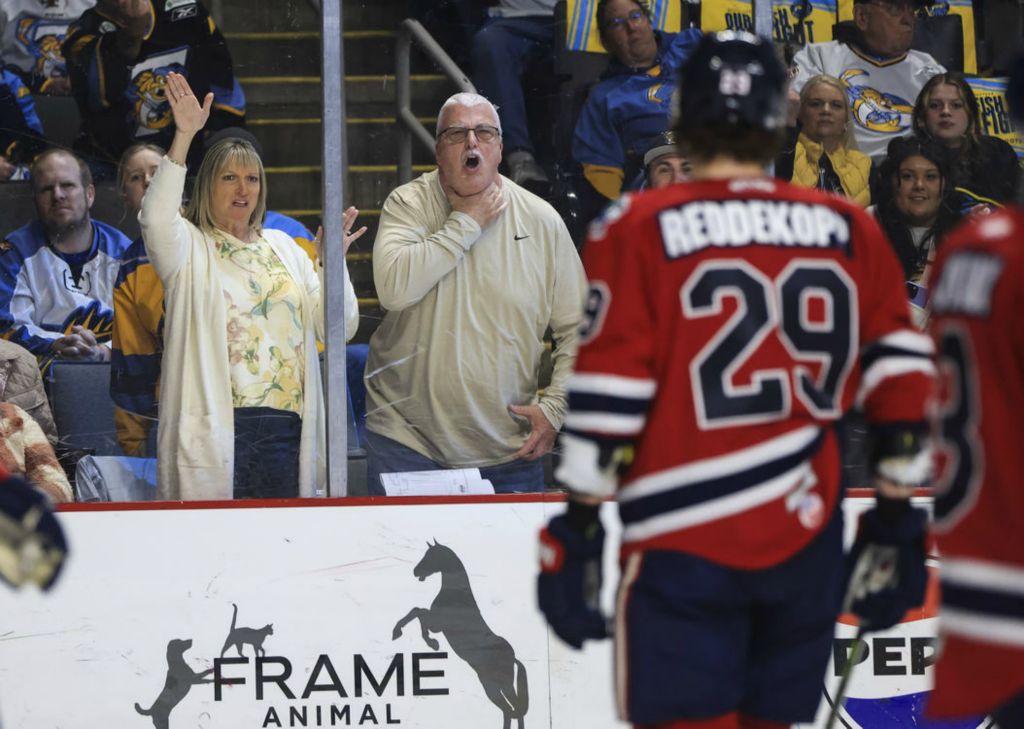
(189, 116)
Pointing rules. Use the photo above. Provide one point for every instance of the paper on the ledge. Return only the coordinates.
(436, 483)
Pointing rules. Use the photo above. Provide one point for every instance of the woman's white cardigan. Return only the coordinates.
(195, 435)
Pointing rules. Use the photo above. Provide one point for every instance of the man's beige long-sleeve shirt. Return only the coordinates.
(467, 311)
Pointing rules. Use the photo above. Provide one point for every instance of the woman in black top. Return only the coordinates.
(984, 169)
(915, 203)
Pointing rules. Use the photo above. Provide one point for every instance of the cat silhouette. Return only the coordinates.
(239, 637)
(180, 680)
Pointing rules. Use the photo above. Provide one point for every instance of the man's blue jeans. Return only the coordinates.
(502, 50)
(384, 455)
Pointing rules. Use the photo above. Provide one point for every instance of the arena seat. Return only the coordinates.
(82, 408)
(60, 118)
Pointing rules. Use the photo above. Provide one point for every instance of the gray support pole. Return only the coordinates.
(763, 18)
(332, 74)
(403, 102)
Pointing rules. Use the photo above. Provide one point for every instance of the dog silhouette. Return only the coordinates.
(180, 680)
(454, 613)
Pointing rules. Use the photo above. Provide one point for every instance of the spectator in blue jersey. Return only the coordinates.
(21, 133)
(57, 273)
(118, 56)
(519, 33)
(985, 168)
(631, 103)
(31, 32)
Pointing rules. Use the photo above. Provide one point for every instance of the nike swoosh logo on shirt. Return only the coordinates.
(520, 237)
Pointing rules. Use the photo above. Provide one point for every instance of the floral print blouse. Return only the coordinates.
(264, 318)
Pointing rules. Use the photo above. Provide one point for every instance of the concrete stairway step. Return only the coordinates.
(283, 91)
(371, 140)
(298, 186)
(299, 15)
(257, 53)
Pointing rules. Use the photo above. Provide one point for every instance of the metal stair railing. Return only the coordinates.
(409, 126)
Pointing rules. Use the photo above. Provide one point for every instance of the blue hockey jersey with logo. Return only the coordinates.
(21, 133)
(124, 103)
(31, 32)
(44, 293)
(626, 109)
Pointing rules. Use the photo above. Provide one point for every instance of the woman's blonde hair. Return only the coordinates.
(122, 165)
(848, 141)
(199, 210)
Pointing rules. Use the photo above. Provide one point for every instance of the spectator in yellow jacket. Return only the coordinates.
(825, 155)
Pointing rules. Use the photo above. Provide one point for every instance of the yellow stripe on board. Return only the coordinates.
(375, 303)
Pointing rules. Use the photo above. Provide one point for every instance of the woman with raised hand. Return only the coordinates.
(241, 404)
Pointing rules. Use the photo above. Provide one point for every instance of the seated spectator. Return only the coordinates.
(520, 33)
(915, 207)
(241, 413)
(21, 384)
(824, 155)
(631, 103)
(882, 74)
(31, 32)
(664, 164)
(985, 169)
(137, 343)
(57, 273)
(24, 451)
(119, 54)
(21, 133)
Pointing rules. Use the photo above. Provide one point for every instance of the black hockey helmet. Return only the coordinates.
(732, 78)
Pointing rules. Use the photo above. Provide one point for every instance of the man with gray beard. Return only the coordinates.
(57, 273)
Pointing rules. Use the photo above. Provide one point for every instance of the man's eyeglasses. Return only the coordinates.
(457, 135)
(635, 17)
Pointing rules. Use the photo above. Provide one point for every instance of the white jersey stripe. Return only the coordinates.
(887, 367)
(614, 385)
(906, 339)
(719, 466)
(716, 509)
(610, 423)
(1001, 631)
(974, 573)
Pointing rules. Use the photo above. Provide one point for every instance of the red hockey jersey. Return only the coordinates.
(729, 325)
(976, 296)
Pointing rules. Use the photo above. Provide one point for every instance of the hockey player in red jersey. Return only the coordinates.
(731, 323)
(977, 294)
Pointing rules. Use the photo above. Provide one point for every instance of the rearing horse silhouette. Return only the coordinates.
(455, 613)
